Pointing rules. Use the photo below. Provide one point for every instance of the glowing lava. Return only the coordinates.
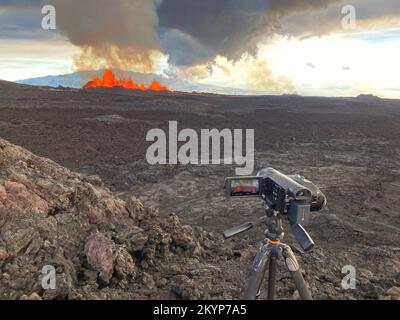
(109, 81)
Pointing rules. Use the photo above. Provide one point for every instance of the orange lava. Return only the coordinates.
(109, 81)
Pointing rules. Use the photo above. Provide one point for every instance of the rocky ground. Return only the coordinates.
(100, 246)
(348, 146)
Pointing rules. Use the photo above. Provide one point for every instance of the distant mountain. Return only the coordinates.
(367, 97)
(9, 85)
(79, 79)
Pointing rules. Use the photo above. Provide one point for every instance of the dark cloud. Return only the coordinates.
(225, 27)
(372, 9)
(221, 27)
(183, 49)
(21, 20)
(368, 13)
(21, 3)
(285, 7)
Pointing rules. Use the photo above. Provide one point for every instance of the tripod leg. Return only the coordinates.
(294, 268)
(257, 273)
(272, 275)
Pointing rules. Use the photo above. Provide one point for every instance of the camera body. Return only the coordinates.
(290, 195)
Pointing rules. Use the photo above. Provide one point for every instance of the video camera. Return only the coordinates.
(291, 195)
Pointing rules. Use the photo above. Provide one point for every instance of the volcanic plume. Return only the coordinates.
(109, 80)
(113, 35)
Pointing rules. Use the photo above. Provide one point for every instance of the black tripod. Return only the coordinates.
(270, 252)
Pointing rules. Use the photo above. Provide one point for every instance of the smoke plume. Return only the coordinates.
(119, 34)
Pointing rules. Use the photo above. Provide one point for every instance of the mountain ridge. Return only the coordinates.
(80, 78)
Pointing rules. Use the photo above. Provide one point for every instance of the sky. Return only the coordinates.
(314, 47)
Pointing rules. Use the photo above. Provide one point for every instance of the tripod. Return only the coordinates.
(268, 255)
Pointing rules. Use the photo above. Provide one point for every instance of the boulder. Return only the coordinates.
(99, 254)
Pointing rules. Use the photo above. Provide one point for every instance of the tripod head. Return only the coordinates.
(291, 196)
(274, 230)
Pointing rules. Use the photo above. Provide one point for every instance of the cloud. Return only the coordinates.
(21, 58)
(202, 38)
(20, 21)
(227, 27)
(369, 14)
(21, 3)
(232, 27)
(183, 49)
(248, 72)
(191, 32)
(223, 27)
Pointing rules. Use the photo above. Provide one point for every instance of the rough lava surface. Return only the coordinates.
(101, 247)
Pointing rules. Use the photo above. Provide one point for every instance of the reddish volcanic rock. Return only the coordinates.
(3, 254)
(99, 253)
(15, 196)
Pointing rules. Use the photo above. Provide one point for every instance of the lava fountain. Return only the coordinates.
(109, 80)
